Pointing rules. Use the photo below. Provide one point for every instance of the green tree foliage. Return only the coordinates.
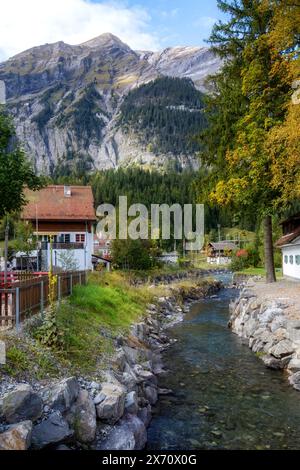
(166, 114)
(15, 170)
(132, 254)
(251, 94)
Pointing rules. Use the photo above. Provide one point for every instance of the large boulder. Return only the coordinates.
(22, 404)
(82, 417)
(145, 415)
(136, 355)
(110, 403)
(282, 349)
(268, 315)
(17, 436)
(120, 438)
(131, 403)
(294, 365)
(137, 427)
(272, 362)
(61, 396)
(150, 393)
(295, 380)
(53, 430)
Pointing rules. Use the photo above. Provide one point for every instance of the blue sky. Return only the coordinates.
(142, 24)
(179, 22)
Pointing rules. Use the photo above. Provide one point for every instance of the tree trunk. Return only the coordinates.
(269, 253)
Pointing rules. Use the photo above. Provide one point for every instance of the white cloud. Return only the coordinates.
(205, 22)
(29, 23)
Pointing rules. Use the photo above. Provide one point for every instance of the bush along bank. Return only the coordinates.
(113, 414)
(269, 332)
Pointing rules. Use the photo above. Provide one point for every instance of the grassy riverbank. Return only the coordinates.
(88, 323)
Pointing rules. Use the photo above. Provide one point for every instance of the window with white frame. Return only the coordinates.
(80, 238)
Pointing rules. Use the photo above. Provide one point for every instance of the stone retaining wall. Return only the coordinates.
(76, 413)
(269, 332)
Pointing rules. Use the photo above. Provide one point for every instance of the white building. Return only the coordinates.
(289, 244)
(62, 218)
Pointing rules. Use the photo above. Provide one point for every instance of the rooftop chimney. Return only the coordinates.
(67, 191)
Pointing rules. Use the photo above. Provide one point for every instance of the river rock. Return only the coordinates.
(131, 403)
(294, 365)
(82, 417)
(282, 349)
(145, 375)
(272, 362)
(118, 360)
(278, 322)
(17, 437)
(61, 396)
(137, 427)
(134, 356)
(150, 394)
(120, 438)
(145, 415)
(110, 403)
(270, 313)
(22, 404)
(53, 430)
(295, 380)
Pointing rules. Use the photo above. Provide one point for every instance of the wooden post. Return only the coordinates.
(58, 288)
(17, 307)
(6, 254)
(42, 299)
(71, 283)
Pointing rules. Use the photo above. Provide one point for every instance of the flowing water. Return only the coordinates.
(224, 397)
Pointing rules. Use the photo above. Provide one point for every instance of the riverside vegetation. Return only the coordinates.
(96, 389)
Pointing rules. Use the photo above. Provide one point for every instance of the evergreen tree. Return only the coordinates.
(15, 171)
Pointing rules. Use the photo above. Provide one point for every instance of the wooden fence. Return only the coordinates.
(22, 297)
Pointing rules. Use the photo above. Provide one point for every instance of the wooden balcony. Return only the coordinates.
(62, 246)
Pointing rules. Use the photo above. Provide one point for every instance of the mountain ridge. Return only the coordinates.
(49, 86)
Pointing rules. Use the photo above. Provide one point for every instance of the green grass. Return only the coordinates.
(260, 272)
(94, 315)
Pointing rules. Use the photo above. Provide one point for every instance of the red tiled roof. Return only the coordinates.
(286, 239)
(50, 203)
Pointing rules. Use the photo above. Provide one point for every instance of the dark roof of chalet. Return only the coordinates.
(50, 203)
(223, 246)
(288, 238)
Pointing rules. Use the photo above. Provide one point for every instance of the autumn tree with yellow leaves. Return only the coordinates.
(251, 142)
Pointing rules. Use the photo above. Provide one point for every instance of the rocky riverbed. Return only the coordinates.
(266, 317)
(76, 413)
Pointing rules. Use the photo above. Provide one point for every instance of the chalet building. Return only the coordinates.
(102, 247)
(289, 244)
(66, 214)
(220, 252)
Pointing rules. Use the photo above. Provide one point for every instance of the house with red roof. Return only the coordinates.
(64, 215)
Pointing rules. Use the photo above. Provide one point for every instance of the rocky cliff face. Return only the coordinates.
(66, 99)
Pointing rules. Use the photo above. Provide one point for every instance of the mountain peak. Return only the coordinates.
(105, 39)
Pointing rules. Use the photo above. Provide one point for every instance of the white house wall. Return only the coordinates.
(291, 270)
(83, 257)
